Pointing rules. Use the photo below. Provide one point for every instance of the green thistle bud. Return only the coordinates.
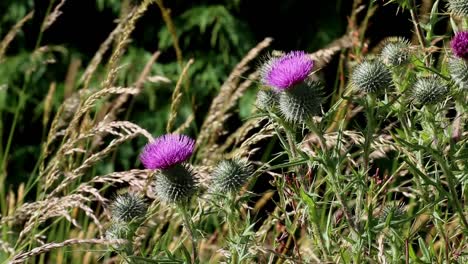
(267, 100)
(458, 7)
(231, 175)
(393, 211)
(301, 102)
(176, 184)
(371, 76)
(458, 69)
(118, 230)
(430, 90)
(395, 51)
(128, 207)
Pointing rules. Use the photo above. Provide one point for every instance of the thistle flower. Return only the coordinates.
(459, 44)
(301, 102)
(176, 184)
(371, 76)
(430, 90)
(128, 207)
(458, 69)
(167, 151)
(231, 175)
(458, 7)
(395, 51)
(266, 100)
(282, 73)
(394, 210)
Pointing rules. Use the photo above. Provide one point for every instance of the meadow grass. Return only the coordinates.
(377, 173)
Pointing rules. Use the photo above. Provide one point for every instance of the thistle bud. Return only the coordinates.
(430, 90)
(267, 100)
(371, 76)
(458, 69)
(395, 51)
(176, 184)
(231, 175)
(128, 207)
(458, 7)
(301, 102)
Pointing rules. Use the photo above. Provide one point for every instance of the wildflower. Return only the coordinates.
(371, 76)
(301, 102)
(231, 175)
(167, 151)
(430, 90)
(458, 69)
(395, 51)
(284, 72)
(458, 7)
(128, 207)
(175, 181)
(459, 44)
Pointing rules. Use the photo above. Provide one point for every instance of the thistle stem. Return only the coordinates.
(190, 230)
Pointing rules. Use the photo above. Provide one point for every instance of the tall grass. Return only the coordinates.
(370, 178)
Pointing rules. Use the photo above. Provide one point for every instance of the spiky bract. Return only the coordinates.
(176, 184)
(371, 76)
(430, 90)
(267, 100)
(458, 7)
(396, 51)
(128, 206)
(458, 69)
(231, 175)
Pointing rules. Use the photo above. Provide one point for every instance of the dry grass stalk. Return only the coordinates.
(6, 247)
(70, 78)
(50, 19)
(38, 212)
(22, 257)
(12, 33)
(123, 41)
(123, 130)
(96, 60)
(177, 96)
(212, 123)
(166, 14)
(324, 56)
(48, 104)
(185, 125)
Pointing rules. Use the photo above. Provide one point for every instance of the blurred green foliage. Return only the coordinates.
(217, 34)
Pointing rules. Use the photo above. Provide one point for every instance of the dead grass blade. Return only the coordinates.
(50, 19)
(213, 123)
(22, 257)
(177, 96)
(12, 33)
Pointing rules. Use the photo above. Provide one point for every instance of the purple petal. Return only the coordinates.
(166, 151)
(459, 45)
(288, 70)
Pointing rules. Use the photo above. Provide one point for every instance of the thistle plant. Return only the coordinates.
(230, 175)
(299, 98)
(175, 182)
(429, 90)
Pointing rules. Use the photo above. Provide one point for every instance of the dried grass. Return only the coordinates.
(52, 17)
(12, 33)
(22, 257)
(212, 126)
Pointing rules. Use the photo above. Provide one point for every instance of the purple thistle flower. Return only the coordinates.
(167, 151)
(288, 70)
(459, 44)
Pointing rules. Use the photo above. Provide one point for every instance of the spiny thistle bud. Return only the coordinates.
(231, 175)
(176, 184)
(301, 102)
(267, 100)
(458, 69)
(166, 151)
(459, 44)
(128, 206)
(458, 7)
(283, 73)
(430, 90)
(371, 76)
(118, 230)
(395, 51)
(394, 211)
